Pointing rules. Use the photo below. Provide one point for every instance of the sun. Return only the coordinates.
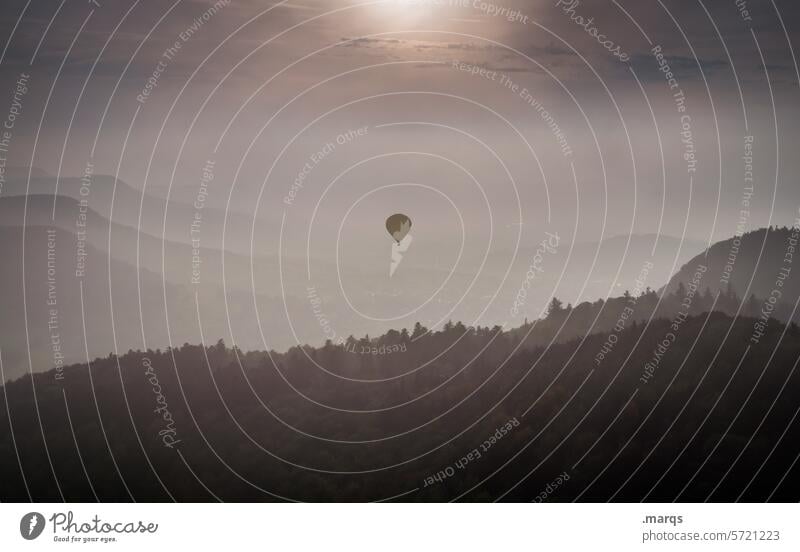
(408, 9)
(406, 14)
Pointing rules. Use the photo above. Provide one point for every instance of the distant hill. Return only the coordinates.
(618, 261)
(106, 285)
(109, 196)
(175, 262)
(702, 272)
(752, 264)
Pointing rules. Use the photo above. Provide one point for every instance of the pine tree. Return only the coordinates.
(555, 307)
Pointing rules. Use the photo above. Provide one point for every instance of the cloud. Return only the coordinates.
(683, 67)
(396, 43)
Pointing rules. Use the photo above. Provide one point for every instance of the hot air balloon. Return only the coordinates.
(398, 226)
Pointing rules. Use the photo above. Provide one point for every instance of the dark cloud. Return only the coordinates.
(682, 66)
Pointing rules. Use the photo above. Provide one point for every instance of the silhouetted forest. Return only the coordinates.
(566, 322)
(751, 263)
(463, 413)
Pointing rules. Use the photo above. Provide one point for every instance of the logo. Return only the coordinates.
(31, 525)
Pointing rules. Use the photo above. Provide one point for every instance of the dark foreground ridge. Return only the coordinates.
(463, 413)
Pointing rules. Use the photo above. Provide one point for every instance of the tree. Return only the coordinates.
(752, 306)
(555, 307)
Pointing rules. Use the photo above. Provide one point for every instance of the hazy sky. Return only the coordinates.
(375, 63)
(488, 124)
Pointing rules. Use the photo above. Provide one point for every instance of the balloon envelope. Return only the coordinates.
(398, 225)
